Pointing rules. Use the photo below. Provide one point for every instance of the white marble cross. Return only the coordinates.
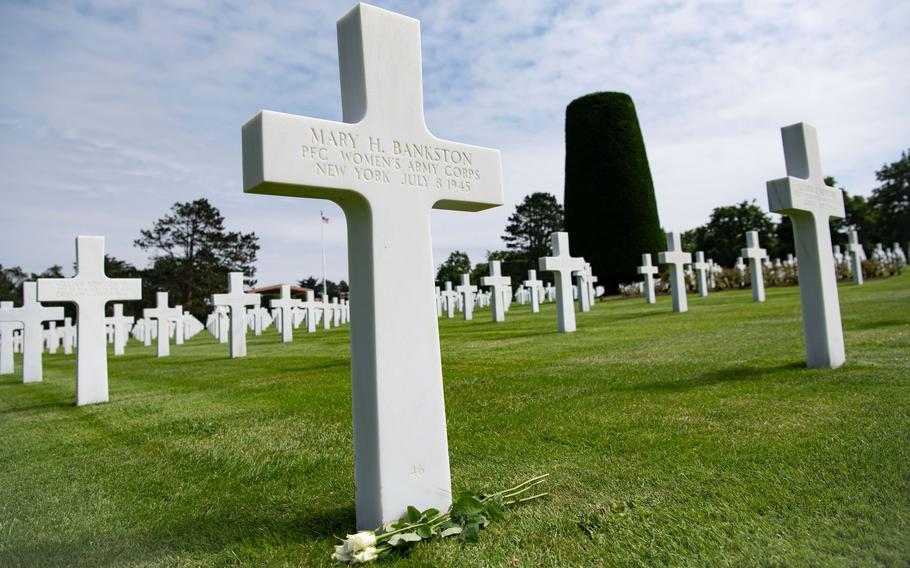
(676, 259)
(179, 326)
(467, 293)
(386, 171)
(810, 204)
(857, 254)
(90, 290)
(701, 269)
(7, 327)
(51, 338)
(286, 304)
(120, 323)
(236, 300)
(563, 264)
(449, 295)
(164, 316)
(498, 283)
(648, 271)
(68, 336)
(755, 255)
(740, 267)
(534, 286)
(311, 308)
(581, 279)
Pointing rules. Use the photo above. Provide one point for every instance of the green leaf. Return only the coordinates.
(404, 539)
(430, 513)
(451, 531)
(466, 506)
(470, 532)
(493, 509)
(425, 531)
(413, 515)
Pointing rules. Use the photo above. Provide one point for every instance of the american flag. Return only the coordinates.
(325, 220)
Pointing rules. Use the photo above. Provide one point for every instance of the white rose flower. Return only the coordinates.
(366, 555)
(360, 541)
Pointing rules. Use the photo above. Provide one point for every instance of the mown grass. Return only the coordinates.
(692, 439)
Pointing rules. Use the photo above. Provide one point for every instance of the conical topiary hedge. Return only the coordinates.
(611, 212)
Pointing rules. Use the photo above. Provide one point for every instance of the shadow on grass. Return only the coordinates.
(865, 325)
(219, 530)
(720, 376)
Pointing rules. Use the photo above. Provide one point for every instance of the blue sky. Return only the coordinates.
(112, 111)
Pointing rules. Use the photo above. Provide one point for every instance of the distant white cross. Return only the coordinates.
(740, 267)
(449, 295)
(164, 316)
(676, 259)
(648, 271)
(534, 285)
(311, 308)
(563, 265)
(857, 255)
(701, 269)
(7, 327)
(810, 204)
(755, 255)
(121, 325)
(467, 293)
(498, 283)
(286, 304)
(90, 290)
(236, 300)
(581, 279)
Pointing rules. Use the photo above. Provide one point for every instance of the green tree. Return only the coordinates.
(530, 226)
(192, 253)
(611, 211)
(725, 233)
(11, 279)
(332, 289)
(451, 270)
(890, 202)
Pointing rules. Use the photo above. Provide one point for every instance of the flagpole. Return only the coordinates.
(322, 232)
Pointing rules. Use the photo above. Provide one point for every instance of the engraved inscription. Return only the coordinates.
(72, 288)
(389, 161)
(818, 199)
(417, 471)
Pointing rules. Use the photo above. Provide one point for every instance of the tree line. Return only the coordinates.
(882, 217)
(190, 255)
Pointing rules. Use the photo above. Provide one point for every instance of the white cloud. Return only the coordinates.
(109, 114)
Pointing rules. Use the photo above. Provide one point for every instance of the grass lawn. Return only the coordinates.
(692, 439)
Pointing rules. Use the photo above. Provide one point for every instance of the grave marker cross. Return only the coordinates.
(121, 331)
(7, 362)
(810, 203)
(534, 286)
(499, 284)
(90, 290)
(648, 271)
(676, 259)
(237, 301)
(386, 171)
(32, 315)
(857, 254)
(164, 316)
(467, 292)
(755, 255)
(563, 264)
(286, 305)
(701, 269)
